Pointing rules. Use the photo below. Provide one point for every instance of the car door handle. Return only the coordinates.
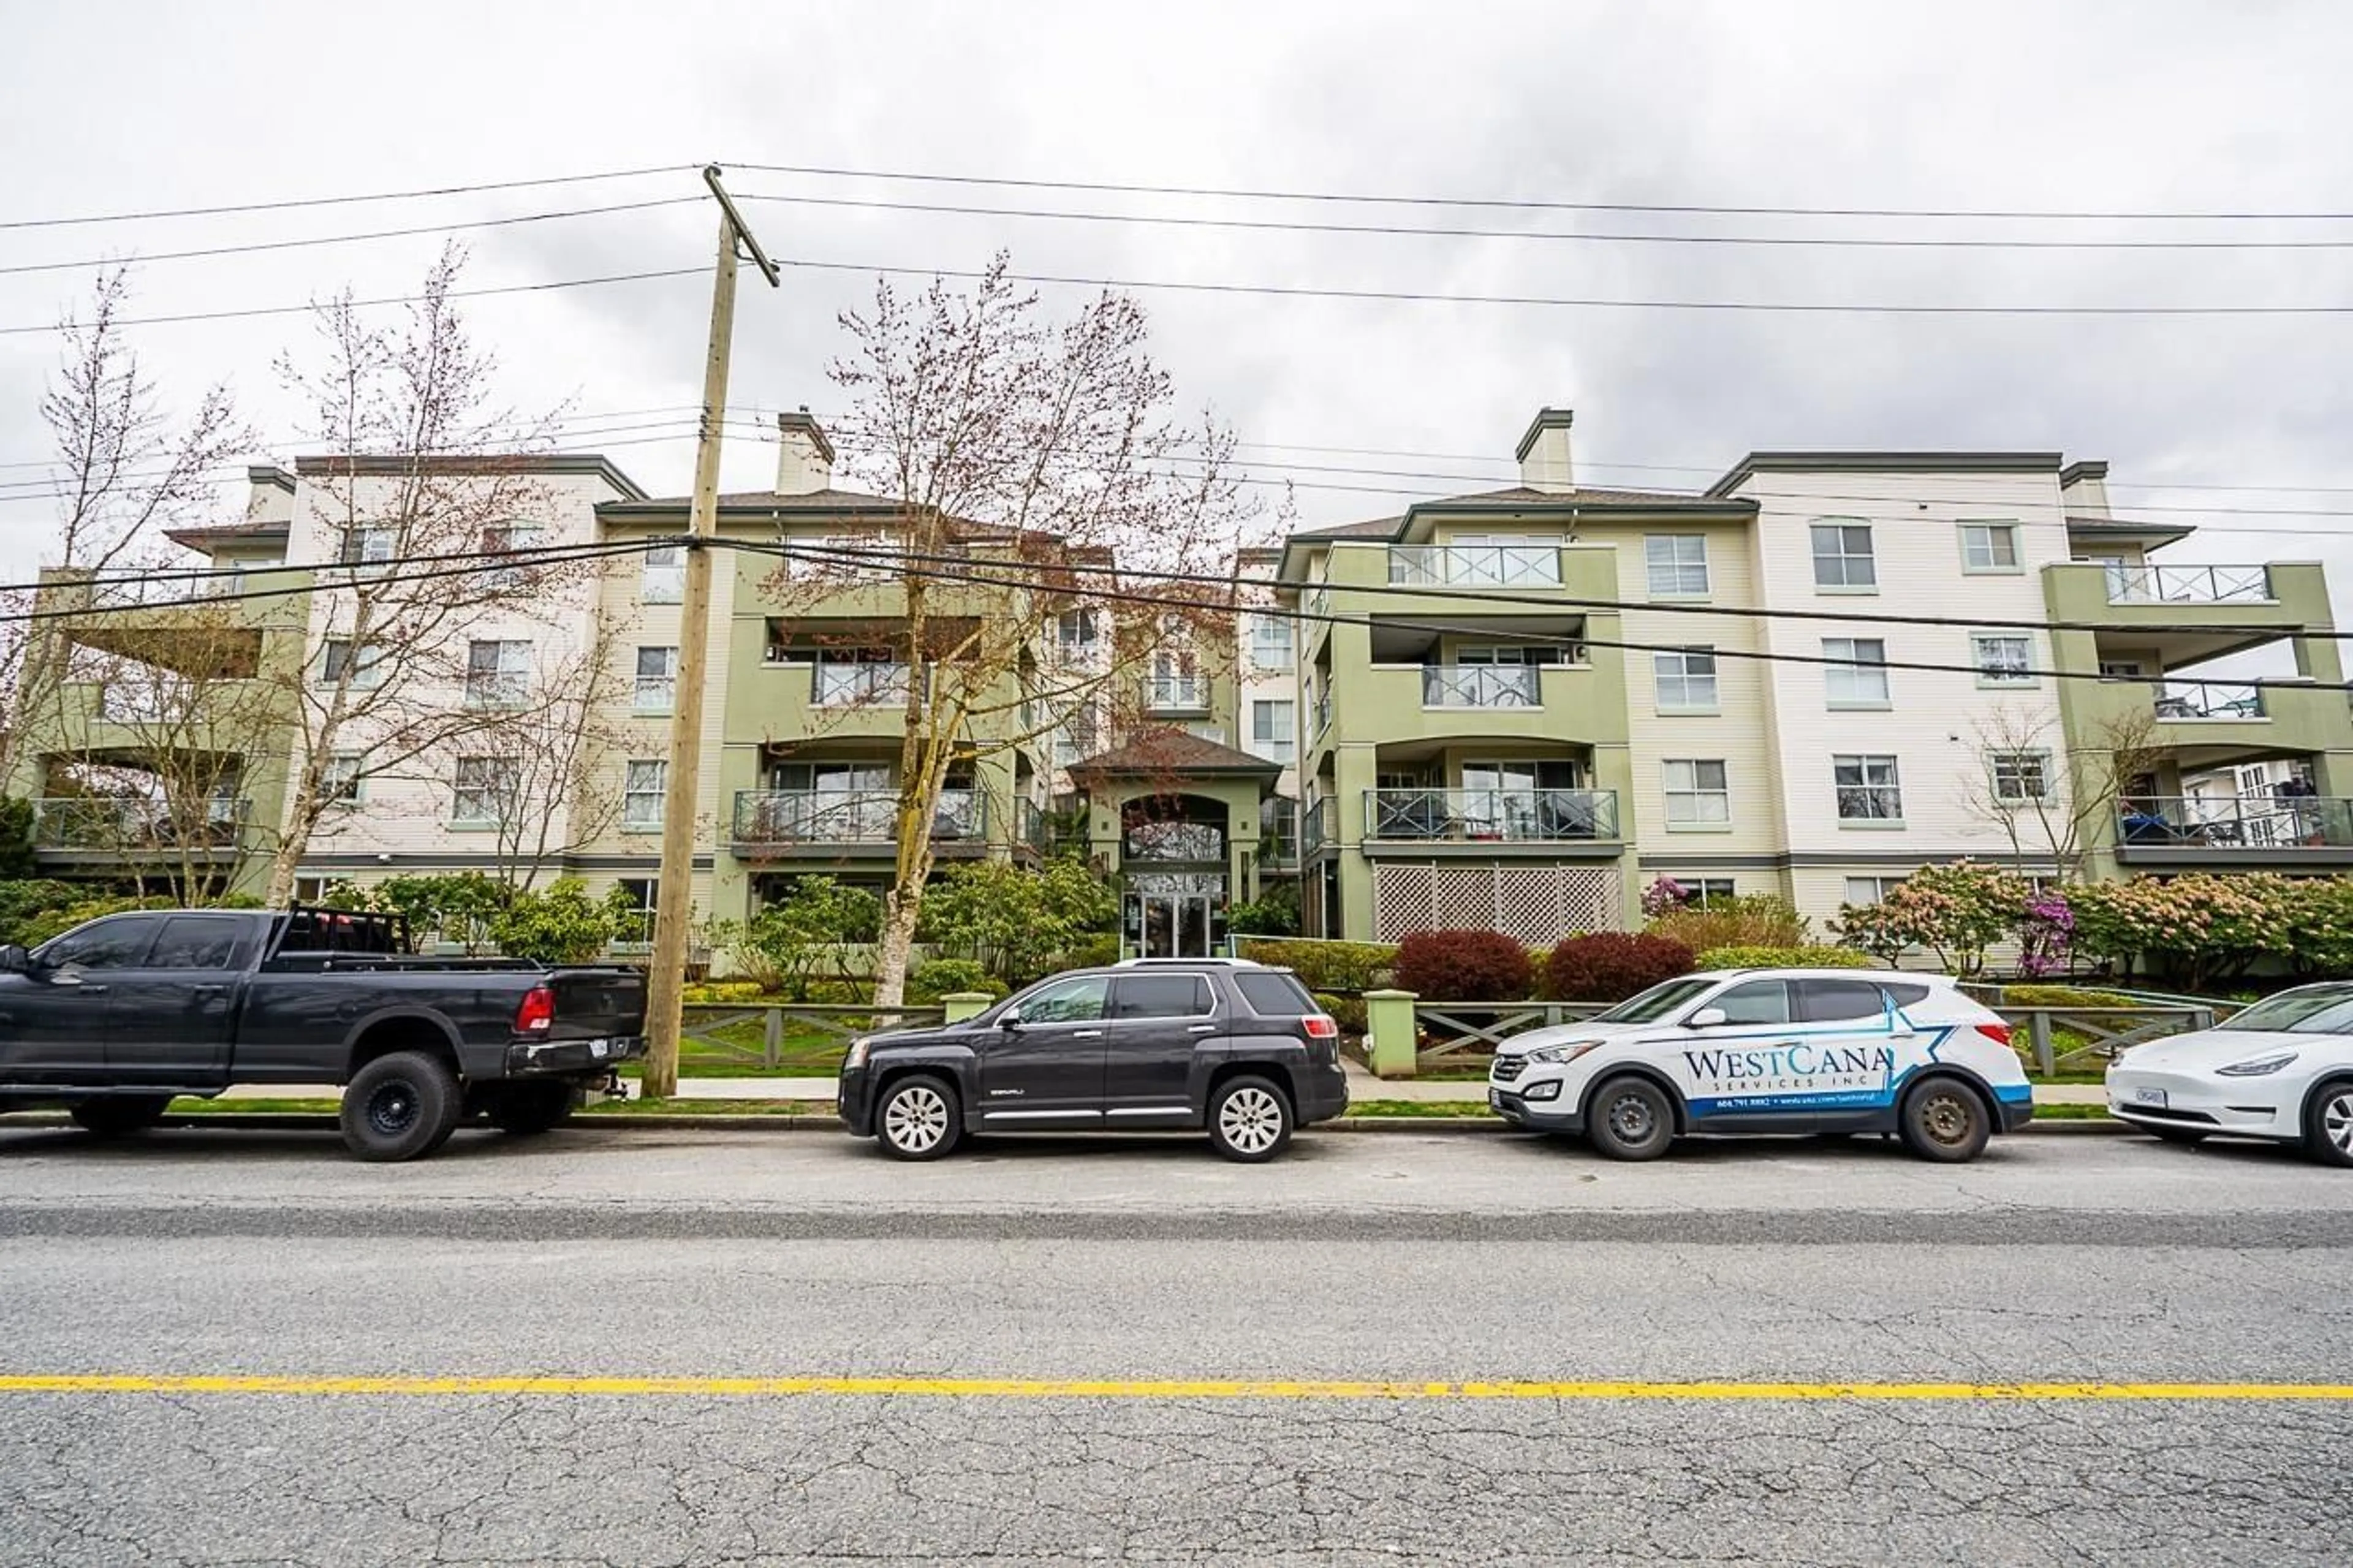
(87, 989)
(1086, 1034)
(1202, 1029)
(208, 991)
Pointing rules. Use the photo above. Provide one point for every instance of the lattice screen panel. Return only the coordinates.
(1537, 904)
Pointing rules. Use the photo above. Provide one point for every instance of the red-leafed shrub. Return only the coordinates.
(1611, 966)
(1463, 967)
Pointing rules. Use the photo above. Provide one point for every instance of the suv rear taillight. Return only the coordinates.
(1319, 1027)
(1998, 1033)
(537, 1014)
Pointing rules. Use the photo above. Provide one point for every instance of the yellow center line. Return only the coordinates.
(1139, 1389)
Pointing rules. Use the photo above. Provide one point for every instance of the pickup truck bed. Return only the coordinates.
(114, 1018)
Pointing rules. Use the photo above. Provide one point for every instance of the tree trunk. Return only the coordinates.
(280, 894)
(896, 947)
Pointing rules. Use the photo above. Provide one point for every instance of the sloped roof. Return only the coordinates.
(1172, 752)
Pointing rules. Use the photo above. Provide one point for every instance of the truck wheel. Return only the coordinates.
(527, 1109)
(118, 1114)
(919, 1118)
(1249, 1120)
(400, 1107)
(1629, 1118)
(1944, 1120)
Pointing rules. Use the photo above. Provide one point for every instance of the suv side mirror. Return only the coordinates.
(15, 960)
(1010, 1019)
(1706, 1018)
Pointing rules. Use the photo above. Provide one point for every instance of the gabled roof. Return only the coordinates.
(1172, 751)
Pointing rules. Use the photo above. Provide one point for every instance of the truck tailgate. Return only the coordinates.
(598, 1003)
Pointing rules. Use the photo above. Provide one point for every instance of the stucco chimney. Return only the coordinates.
(1544, 452)
(804, 456)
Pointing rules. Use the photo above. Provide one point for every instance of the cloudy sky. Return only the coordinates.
(2144, 106)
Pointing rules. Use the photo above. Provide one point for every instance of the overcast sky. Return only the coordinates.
(2126, 106)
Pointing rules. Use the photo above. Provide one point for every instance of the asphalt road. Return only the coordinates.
(1766, 1353)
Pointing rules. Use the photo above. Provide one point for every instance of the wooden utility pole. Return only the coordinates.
(682, 784)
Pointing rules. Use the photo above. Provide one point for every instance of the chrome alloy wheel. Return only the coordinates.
(1251, 1120)
(916, 1118)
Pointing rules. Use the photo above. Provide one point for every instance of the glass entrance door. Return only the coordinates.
(1173, 914)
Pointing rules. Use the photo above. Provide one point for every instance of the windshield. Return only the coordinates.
(2312, 1010)
(1655, 1004)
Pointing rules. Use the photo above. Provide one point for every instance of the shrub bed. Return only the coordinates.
(1811, 957)
(1340, 966)
(1609, 965)
(1463, 967)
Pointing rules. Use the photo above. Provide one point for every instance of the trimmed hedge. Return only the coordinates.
(1348, 1012)
(942, 977)
(1346, 967)
(1824, 957)
(2062, 996)
(1463, 967)
(1611, 966)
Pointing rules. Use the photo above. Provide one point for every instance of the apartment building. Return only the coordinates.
(1511, 709)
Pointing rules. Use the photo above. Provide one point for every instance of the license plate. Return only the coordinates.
(2149, 1096)
(600, 1049)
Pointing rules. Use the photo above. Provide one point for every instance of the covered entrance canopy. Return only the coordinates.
(1176, 817)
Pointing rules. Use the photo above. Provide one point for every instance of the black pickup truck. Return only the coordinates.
(112, 1019)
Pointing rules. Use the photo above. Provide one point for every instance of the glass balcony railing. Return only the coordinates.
(125, 825)
(1475, 565)
(2208, 700)
(2237, 821)
(1499, 816)
(1310, 828)
(2189, 585)
(1480, 686)
(1278, 843)
(790, 816)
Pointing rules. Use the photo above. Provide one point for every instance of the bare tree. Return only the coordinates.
(561, 792)
(2052, 801)
(1025, 457)
(425, 470)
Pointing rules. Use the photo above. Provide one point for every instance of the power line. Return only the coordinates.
(290, 203)
(311, 305)
(318, 239)
(1524, 205)
(1294, 226)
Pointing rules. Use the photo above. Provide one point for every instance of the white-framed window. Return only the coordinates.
(1177, 681)
(2021, 778)
(1990, 547)
(662, 579)
(510, 539)
(644, 790)
(1685, 680)
(657, 680)
(1705, 892)
(2120, 669)
(1869, 789)
(344, 779)
(2002, 659)
(1865, 890)
(242, 572)
(1074, 738)
(1077, 632)
(365, 667)
(1269, 641)
(1855, 672)
(369, 544)
(1698, 792)
(1843, 557)
(1677, 563)
(498, 673)
(1209, 729)
(644, 895)
(1274, 730)
(485, 790)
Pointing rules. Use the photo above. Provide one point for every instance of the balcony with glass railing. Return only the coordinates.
(2215, 826)
(94, 825)
(863, 684)
(1481, 685)
(782, 820)
(1474, 565)
(1491, 816)
(1279, 833)
(1312, 830)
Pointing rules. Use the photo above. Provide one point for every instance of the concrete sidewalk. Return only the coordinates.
(1362, 1086)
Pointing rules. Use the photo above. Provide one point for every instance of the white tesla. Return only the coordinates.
(2281, 1070)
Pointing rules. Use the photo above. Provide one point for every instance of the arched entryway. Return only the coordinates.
(1175, 863)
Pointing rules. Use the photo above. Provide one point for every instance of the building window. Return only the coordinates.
(1270, 639)
(1275, 732)
(1207, 729)
(1990, 547)
(656, 686)
(1677, 565)
(645, 789)
(365, 671)
(1076, 633)
(2002, 659)
(1698, 795)
(2021, 778)
(1176, 683)
(1842, 557)
(510, 539)
(485, 788)
(1855, 672)
(1704, 892)
(368, 544)
(663, 580)
(1868, 789)
(343, 782)
(1687, 680)
(644, 896)
(1074, 738)
(1862, 891)
(498, 673)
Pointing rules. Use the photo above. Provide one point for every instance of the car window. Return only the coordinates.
(1649, 1006)
(1840, 1001)
(1905, 994)
(194, 942)
(1067, 1002)
(1275, 996)
(2308, 1010)
(117, 943)
(1758, 1001)
(1160, 996)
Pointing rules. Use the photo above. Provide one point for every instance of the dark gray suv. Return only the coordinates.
(1237, 1048)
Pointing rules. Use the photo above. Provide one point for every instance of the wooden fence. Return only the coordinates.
(709, 1026)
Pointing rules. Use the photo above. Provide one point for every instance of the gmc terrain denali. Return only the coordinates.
(1158, 1044)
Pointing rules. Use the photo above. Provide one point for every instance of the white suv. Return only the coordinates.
(1772, 1050)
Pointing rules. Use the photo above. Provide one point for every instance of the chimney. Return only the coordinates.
(804, 456)
(1544, 452)
(270, 496)
(2084, 489)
